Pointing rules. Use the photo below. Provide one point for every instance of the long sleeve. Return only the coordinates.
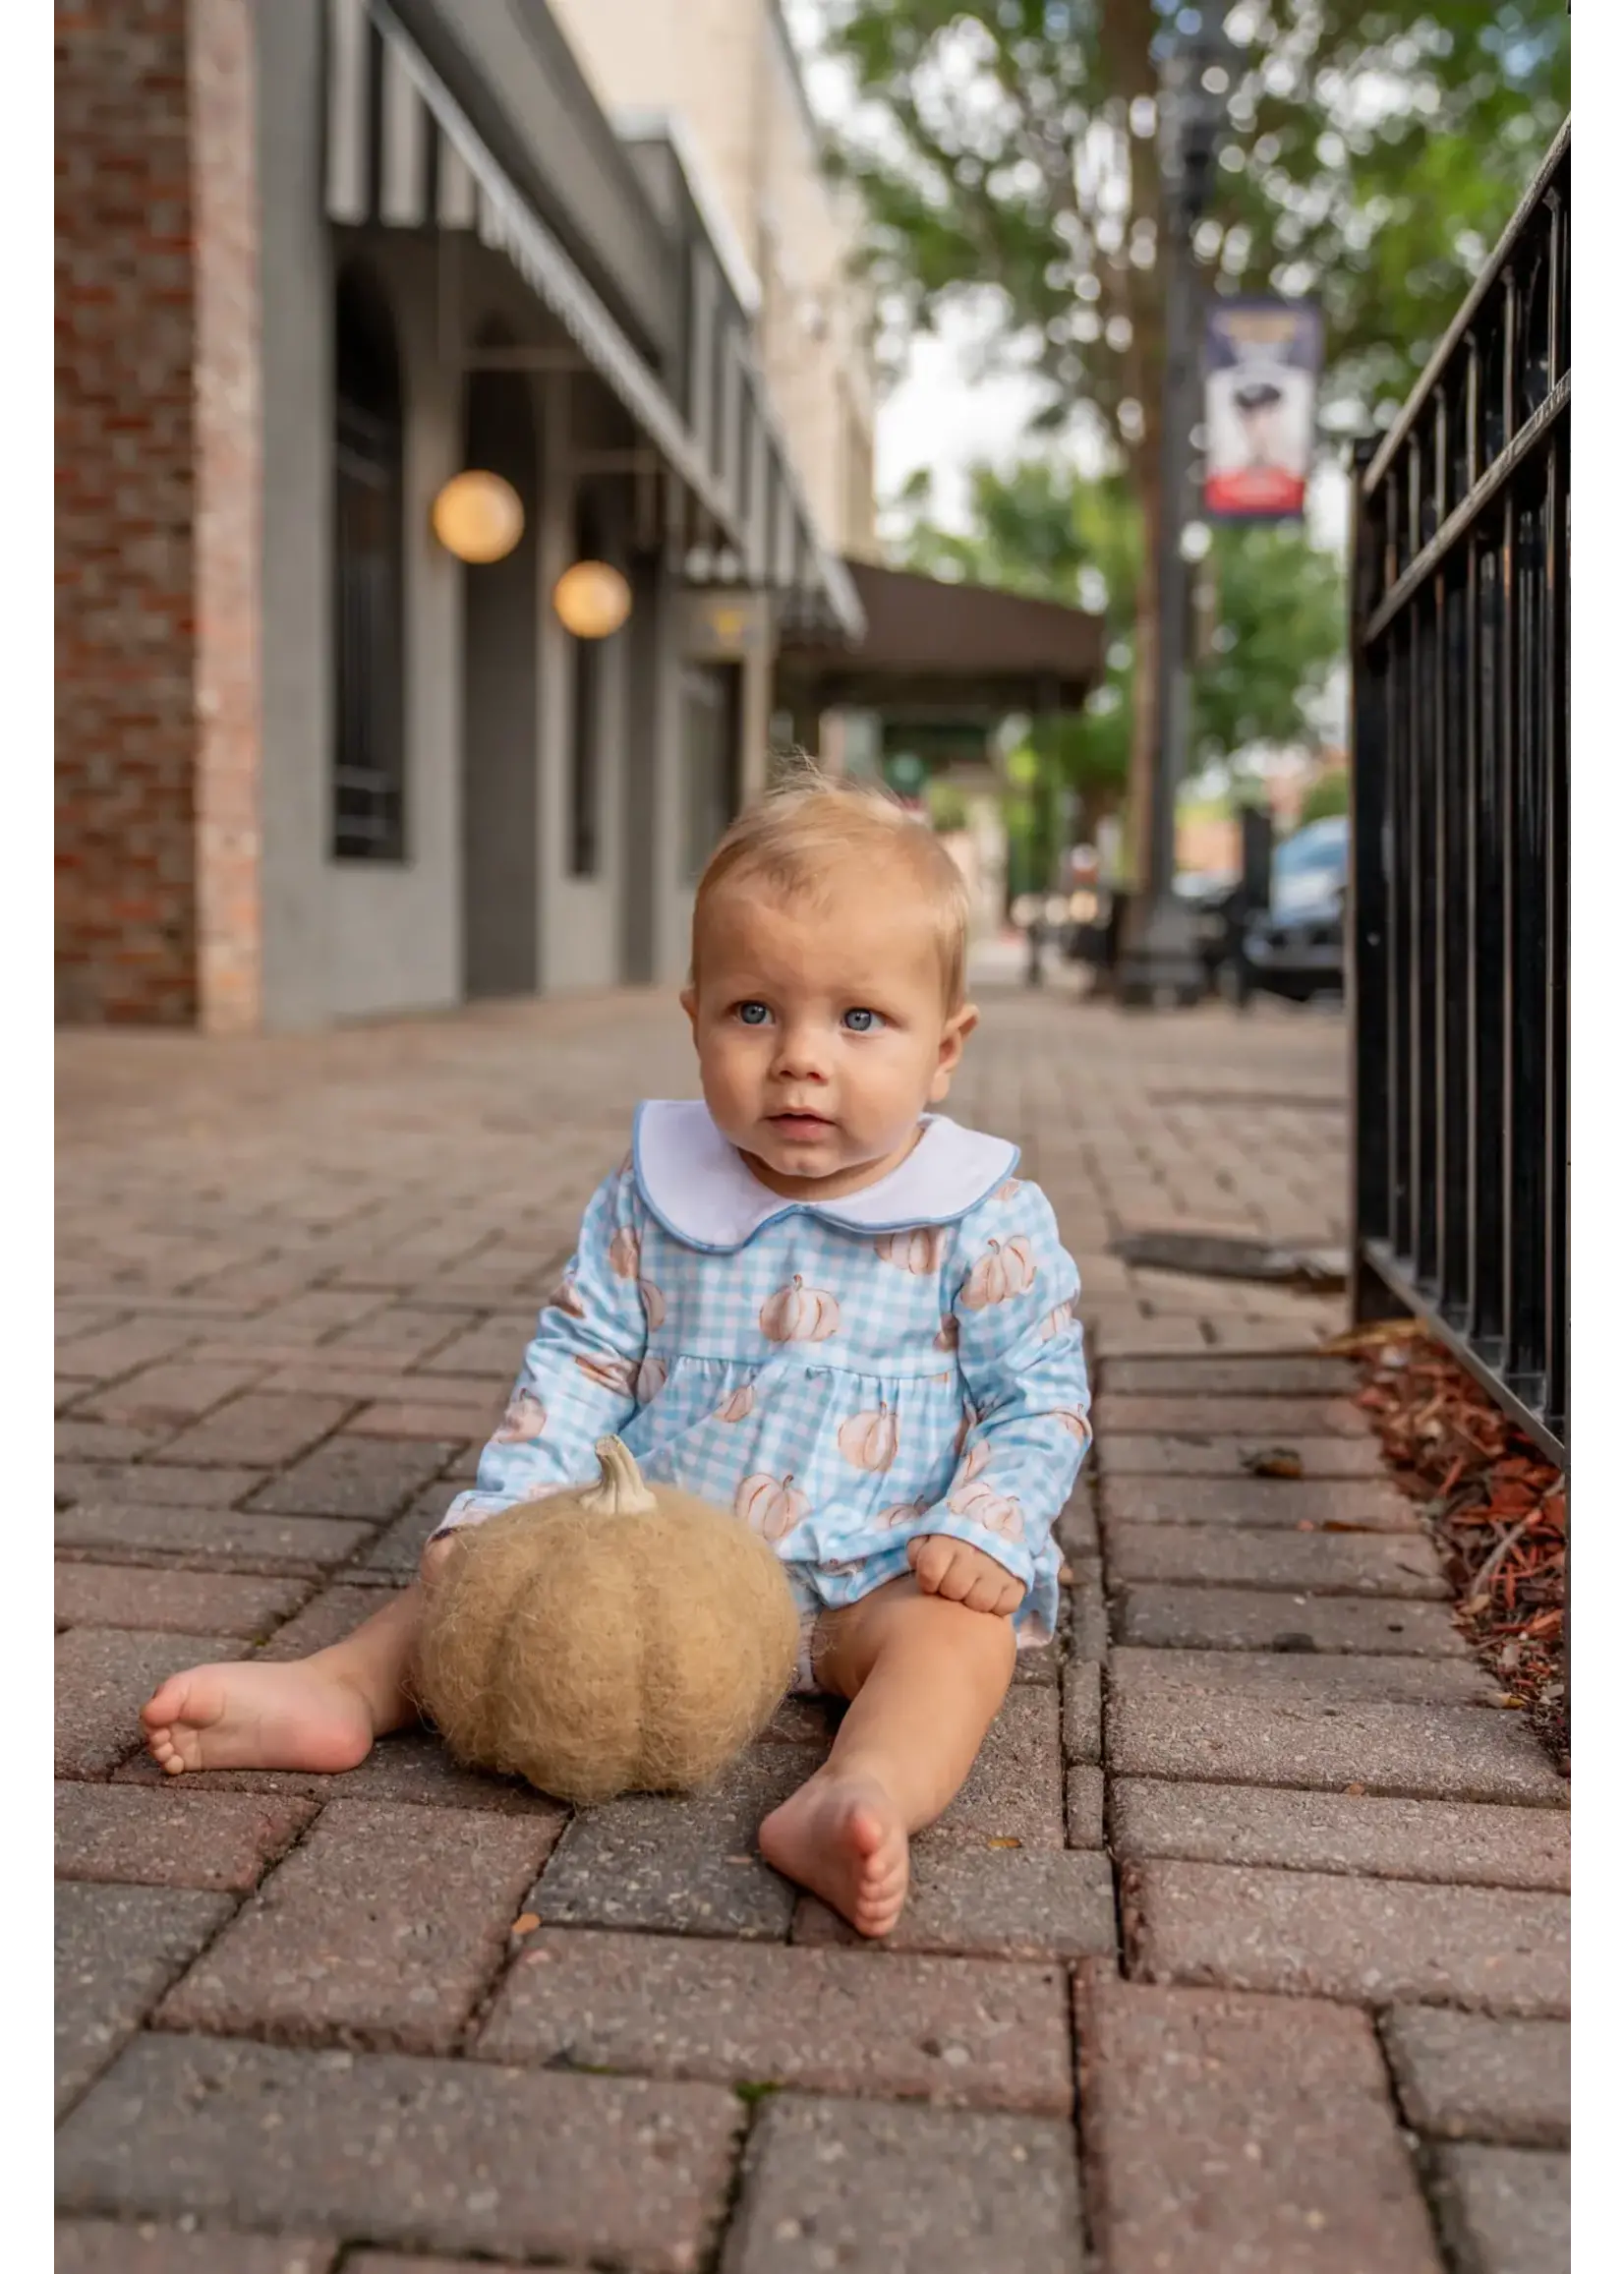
(1021, 1361)
(579, 1379)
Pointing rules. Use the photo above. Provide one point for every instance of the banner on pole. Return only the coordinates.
(1260, 369)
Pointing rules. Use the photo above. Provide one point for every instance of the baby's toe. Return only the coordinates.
(163, 1705)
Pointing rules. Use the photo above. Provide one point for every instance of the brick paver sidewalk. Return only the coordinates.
(1245, 1947)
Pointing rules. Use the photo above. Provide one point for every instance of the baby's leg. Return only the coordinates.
(320, 1713)
(925, 1679)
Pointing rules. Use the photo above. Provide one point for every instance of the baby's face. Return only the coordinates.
(821, 1028)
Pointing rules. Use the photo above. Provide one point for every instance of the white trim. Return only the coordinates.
(403, 170)
(702, 338)
(636, 124)
(487, 221)
(457, 202)
(347, 110)
(734, 358)
(696, 1186)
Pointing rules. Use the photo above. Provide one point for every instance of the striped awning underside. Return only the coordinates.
(401, 152)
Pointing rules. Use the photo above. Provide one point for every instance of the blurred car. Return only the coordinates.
(1294, 947)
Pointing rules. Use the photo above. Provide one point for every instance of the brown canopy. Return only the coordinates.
(935, 649)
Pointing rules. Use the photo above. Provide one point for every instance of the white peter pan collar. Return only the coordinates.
(695, 1185)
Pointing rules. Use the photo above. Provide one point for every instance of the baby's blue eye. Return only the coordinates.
(861, 1021)
(753, 1014)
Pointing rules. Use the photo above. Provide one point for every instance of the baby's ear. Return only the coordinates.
(955, 1032)
(690, 1000)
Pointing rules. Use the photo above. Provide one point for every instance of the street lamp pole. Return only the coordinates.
(1161, 958)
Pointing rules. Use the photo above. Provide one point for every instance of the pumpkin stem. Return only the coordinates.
(619, 1490)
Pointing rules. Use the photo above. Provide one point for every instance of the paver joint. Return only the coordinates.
(1249, 1863)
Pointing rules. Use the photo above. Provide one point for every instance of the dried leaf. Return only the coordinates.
(1004, 1839)
(526, 1923)
(1273, 1461)
(1379, 1335)
(1495, 1507)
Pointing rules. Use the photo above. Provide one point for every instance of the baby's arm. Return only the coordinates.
(578, 1381)
(1020, 1356)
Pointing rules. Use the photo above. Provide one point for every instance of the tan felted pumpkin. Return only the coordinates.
(619, 1638)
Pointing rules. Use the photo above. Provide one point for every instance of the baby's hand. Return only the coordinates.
(961, 1573)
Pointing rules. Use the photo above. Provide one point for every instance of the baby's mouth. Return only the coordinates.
(800, 1124)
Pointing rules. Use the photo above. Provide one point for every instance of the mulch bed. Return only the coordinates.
(1495, 1506)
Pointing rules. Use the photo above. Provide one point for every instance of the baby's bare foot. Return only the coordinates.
(257, 1717)
(843, 1838)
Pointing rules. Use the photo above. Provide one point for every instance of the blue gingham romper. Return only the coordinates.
(845, 1375)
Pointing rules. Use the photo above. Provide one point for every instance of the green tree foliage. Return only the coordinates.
(1372, 154)
(1280, 631)
(1325, 797)
(947, 806)
(1273, 639)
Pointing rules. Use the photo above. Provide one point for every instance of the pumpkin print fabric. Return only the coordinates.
(842, 1390)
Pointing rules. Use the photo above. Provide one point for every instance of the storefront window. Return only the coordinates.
(368, 753)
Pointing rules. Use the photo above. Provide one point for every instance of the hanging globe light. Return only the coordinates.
(478, 517)
(591, 600)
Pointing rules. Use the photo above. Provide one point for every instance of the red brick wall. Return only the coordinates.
(156, 701)
(227, 536)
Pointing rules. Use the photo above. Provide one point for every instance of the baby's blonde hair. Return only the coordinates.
(810, 825)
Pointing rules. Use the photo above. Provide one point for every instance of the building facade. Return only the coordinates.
(315, 260)
(723, 79)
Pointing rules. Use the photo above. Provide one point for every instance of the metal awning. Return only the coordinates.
(401, 152)
(940, 650)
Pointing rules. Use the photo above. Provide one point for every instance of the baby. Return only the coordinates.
(810, 1300)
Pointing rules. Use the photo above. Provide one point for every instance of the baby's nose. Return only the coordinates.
(803, 1051)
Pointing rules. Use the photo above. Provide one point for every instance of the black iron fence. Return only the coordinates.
(1458, 891)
